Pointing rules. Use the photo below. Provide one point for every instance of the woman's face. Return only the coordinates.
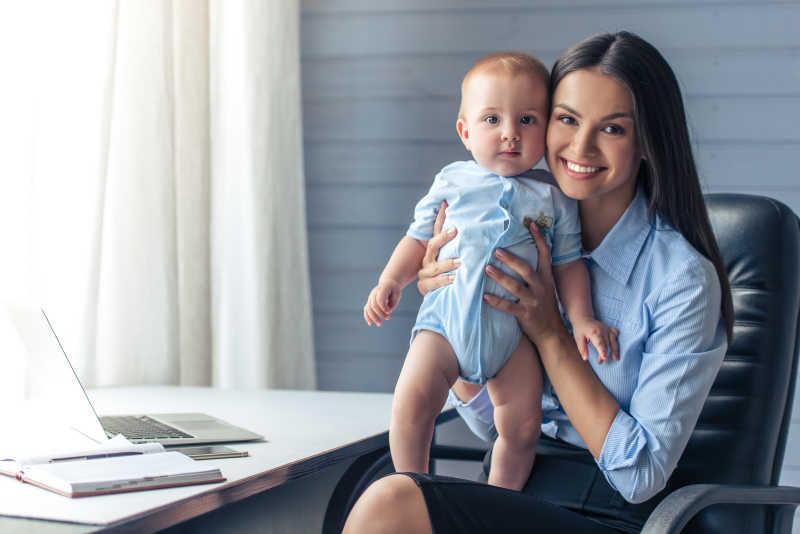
(591, 139)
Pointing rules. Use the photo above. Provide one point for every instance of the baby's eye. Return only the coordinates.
(614, 129)
(527, 119)
(492, 119)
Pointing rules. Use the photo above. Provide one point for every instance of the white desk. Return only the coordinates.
(306, 431)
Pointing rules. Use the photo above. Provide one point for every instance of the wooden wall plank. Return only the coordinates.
(346, 292)
(346, 333)
(352, 249)
(392, 206)
(377, 206)
(395, 6)
(387, 163)
(739, 71)
(770, 119)
(347, 371)
(379, 162)
(693, 26)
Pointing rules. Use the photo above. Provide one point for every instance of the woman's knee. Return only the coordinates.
(391, 504)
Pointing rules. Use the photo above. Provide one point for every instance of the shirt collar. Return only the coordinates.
(620, 248)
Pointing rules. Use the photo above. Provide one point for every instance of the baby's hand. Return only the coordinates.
(382, 300)
(602, 336)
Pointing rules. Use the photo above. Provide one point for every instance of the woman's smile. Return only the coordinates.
(580, 171)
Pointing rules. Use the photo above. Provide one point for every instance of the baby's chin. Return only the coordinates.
(510, 168)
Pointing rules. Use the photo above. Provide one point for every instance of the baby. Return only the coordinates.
(491, 201)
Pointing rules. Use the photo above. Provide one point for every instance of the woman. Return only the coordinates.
(617, 142)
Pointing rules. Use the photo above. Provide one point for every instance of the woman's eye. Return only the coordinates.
(566, 119)
(492, 119)
(527, 119)
(614, 129)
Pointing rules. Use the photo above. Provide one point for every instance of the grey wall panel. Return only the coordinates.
(346, 332)
(755, 164)
(376, 372)
(352, 249)
(380, 93)
(345, 292)
(372, 33)
(378, 205)
(732, 71)
(723, 163)
(379, 162)
(426, 6)
(769, 119)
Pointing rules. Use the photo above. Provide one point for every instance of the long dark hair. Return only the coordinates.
(667, 173)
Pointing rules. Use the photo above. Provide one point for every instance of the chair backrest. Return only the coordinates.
(741, 434)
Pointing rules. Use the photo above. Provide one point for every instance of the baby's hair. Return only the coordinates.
(509, 62)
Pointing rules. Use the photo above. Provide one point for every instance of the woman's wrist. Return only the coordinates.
(554, 343)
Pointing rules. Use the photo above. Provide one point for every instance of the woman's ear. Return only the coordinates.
(463, 133)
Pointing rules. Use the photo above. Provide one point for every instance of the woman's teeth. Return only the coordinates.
(574, 167)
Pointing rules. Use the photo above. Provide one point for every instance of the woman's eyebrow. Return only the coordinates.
(567, 108)
(616, 115)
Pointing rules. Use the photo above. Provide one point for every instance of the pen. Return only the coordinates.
(94, 456)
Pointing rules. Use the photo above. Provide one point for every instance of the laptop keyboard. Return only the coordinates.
(140, 427)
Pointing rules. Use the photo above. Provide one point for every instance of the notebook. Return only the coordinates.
(114, 467)
(30, 346)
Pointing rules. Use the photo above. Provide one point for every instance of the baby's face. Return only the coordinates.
(505, 121)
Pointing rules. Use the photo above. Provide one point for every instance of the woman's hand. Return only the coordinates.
(537, 309)
(429, 275)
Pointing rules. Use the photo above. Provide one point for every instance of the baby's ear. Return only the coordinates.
(463, 133)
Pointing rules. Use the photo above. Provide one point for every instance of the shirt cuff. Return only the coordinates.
(624, 442)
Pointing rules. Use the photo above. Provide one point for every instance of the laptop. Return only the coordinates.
(49, 383)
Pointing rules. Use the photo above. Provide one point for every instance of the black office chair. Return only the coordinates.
(735, 454)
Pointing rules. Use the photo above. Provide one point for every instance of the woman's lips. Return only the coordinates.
(580, 171)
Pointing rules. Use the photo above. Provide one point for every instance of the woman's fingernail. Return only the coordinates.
(456, 261)
(451, 231)
(490, 269)
(500, 253)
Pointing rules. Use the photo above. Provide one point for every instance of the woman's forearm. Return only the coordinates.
(588, 404)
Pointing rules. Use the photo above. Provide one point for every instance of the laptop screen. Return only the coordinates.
(41, 384)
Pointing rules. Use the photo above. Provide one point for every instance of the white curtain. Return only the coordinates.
(152, 196)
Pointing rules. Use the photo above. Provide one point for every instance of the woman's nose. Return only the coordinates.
(583, 142)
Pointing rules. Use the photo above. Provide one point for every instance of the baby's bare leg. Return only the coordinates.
(430, 369)
(516, 392)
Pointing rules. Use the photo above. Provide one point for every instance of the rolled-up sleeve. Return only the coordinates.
(680, 361)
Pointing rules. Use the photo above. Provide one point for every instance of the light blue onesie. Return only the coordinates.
(488, 211)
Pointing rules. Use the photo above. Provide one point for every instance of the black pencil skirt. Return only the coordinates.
(566, 493)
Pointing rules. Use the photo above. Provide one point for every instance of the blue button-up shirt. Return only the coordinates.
(664, 297)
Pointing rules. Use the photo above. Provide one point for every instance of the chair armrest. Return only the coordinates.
(677, 508)
(450, 452)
